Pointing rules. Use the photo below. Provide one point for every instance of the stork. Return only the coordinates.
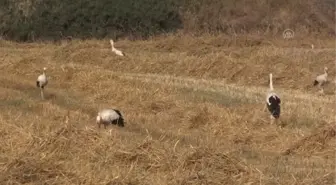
(273, 101)
(321, 80)
(116, 51)
(42, 81)
(110, 116)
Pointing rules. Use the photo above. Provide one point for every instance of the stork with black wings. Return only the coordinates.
(273, 101)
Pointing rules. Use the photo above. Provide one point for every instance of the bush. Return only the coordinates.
(55, 19)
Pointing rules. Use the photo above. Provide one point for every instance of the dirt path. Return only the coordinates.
(221, 86)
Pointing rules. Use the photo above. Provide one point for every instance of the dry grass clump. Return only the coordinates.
(55, 156)
(186, 121)
(220, 168)
(315, 142)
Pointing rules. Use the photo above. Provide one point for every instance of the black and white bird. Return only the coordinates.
(322, 79)
(42, 81)
(116, 51)
(110, 116)
(273, 101)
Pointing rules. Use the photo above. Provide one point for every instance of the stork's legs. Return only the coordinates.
(265, 106)
(42, 94)
(321, 91)
(272, 119)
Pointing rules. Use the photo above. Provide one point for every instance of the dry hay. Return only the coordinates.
(187, 122)
(314, 142)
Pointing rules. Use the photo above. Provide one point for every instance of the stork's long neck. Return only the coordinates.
(112, 45)
(271, 83)
(325, 71)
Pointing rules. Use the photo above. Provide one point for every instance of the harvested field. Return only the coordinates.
(193, 109)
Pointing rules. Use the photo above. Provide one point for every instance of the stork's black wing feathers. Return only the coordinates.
(121, 120)
(274, 106)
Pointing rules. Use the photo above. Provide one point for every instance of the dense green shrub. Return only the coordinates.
(53, 19)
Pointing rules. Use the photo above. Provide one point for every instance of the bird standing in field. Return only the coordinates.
(42, 81)
(110, 116)
(273, 101)
(322, 79)
(116, 51)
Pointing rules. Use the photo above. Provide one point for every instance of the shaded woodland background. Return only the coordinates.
(31, 20)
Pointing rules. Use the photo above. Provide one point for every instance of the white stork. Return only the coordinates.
(42, 81)
(273, 101)
(322, 79)
(110, 116)
(116, 51)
